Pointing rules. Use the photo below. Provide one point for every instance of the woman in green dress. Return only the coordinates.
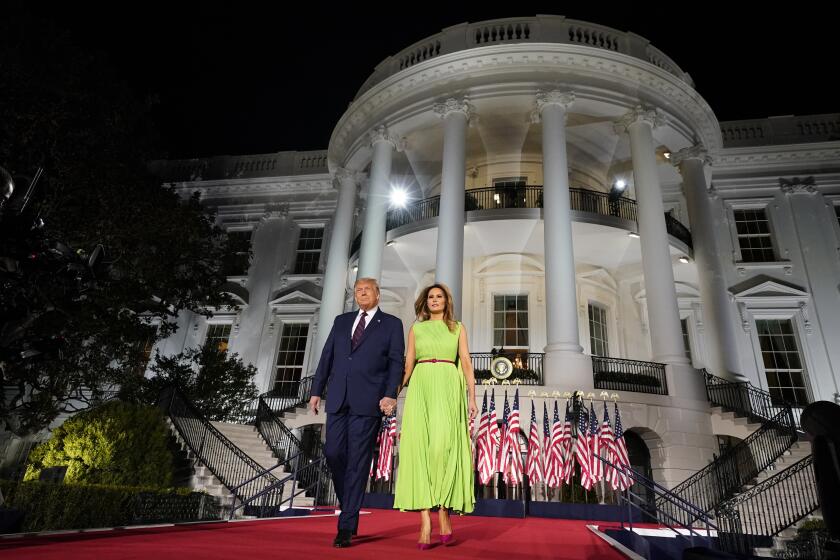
(435, 461)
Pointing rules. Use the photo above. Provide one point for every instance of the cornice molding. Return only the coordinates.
(396, 92)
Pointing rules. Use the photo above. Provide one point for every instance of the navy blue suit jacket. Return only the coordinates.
(361, 377)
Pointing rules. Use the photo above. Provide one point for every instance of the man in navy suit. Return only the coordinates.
(361, 368)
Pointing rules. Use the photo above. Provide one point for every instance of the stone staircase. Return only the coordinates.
(751, 513)
(198, 476)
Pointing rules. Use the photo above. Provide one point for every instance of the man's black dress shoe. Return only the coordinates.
(342, 539)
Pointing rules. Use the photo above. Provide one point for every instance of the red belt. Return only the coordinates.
(434, 361)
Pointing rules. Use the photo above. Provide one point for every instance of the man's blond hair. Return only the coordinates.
(369, 281)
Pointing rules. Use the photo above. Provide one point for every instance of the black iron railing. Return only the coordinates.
(768, 508)
(740, 464)
(237, 471)
(284, 397)
(746, 400)
(289, 449)
(676, 229)
(530, 196)
(288, 395)
(618, 374)
(671, 510)
(527, 366)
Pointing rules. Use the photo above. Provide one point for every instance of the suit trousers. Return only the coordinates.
(349, 449)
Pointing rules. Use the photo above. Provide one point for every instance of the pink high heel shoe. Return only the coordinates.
(446, 540)
(424, 546)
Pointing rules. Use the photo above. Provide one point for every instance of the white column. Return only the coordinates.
(335, 275)
(373, 234)
(663, 310)
(449, 267)
(717, 308)
(564, 360)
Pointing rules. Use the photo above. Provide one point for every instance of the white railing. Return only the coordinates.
(241, 167)
(781, 130)
(538, 29)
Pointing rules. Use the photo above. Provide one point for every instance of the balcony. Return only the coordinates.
(617, 374)
(527, 367)
(587, 202)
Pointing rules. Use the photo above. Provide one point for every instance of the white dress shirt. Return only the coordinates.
(370, 313)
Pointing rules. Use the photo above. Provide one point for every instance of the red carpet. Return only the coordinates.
(383, 534)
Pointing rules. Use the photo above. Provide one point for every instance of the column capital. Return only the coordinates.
(382, 134)
(454, 105)
(546, 98)
(652, 116)
(696, 151)
(806, 185)
(555, 97)
(343, 174)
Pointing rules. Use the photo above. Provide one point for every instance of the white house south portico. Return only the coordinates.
(597, 225)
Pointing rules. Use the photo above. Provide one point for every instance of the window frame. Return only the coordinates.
(218, 323)
(282, 322)
(605, 326)
(298, 251)
(527, 329)
(806, 382)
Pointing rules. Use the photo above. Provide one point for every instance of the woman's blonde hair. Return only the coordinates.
(421, 306)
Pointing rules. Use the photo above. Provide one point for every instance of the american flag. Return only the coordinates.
(582, 452)
(620, 481)
(567, 451)
(548, 462)
(374, 461)
(386, 448)
(504, 448)
(606, 438)
(554, 462)
(483, 445)
(513, 472)
(596, 471)
(535, 459)
(494, 433)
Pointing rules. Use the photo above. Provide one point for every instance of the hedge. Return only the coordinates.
(639, 379)
(117, 443)
(49, 506)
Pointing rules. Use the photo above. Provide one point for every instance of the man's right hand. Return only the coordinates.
(313, 404)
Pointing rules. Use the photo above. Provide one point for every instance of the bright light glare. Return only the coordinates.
(399, 197)
(620, 185)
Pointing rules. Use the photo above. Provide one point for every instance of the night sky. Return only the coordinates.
(235, 78)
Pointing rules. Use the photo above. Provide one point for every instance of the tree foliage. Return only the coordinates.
(69, 331)
(116, 443)
(219, 384)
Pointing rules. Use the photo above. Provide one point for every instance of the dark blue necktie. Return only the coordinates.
(360, 330)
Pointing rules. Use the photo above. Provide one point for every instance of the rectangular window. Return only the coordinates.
(238, 259)
(686, 341)
(754, 237)
(782, 362)
(510, 321)
(290, 359)
(309, 250)
(219, 336)
(598, 343)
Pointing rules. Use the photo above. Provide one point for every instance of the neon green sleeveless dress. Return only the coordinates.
(435, 463)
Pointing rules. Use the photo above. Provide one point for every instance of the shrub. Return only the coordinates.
(48, 506)
(117, 443)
